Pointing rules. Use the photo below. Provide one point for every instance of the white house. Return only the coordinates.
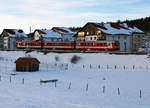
(46, 35)
(66, 33)
(9, 37)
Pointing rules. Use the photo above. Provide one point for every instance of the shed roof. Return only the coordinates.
(26, 59)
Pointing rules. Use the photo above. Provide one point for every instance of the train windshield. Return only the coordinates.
(117, 43)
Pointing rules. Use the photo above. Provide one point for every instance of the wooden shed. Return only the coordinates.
(27, 64)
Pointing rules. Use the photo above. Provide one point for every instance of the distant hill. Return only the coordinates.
(142, 23)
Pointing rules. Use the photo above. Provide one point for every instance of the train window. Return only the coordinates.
(109, 44)
(82, 44)
(117, 44)
(19, 43)
(68, 43)
(101, 44)
(105, 44)
(98, 44)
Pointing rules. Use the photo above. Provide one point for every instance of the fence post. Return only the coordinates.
(55, 84)
(90, 66)
(10, 79)
(23, 81)
(124, 67)
(118, 91)
(69, 85)
(103, 89)
(107, 67)
(87, 87)
(40, 82)
(140, 93)
(133, 67)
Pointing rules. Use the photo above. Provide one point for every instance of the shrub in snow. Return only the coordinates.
(75, 59)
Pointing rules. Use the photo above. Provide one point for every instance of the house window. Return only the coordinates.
(81, 34)
(94, 38)
(98, 32)
(125, 37)
(91, 38)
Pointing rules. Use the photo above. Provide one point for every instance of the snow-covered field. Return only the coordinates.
(94, 81)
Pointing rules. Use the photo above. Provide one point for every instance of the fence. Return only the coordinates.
(85, 88)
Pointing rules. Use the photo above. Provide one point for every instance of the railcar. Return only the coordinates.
(98, 45)
(89, 45)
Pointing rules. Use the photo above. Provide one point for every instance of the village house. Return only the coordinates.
(66, 33)
(125, 34)
(9, 37)
(46, 35)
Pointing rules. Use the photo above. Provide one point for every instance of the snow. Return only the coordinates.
(17, 33)
(33, 95)
(66, 29)
(50, 34)
(112, 30)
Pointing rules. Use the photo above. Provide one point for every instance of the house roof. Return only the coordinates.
(48, 33)
(15, 32)
(26, 60)
(116, 28)
(63, 30)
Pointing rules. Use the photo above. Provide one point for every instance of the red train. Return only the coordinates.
(96, 45)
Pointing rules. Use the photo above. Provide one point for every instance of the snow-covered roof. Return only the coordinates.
(63, 30)
(49, 33)
(15, 32)
(116, 28)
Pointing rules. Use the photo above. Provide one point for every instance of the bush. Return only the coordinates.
(75, 59)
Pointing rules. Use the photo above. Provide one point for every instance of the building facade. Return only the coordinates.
(130, 38)
(9, 37)
(66, 33)
(46, 36)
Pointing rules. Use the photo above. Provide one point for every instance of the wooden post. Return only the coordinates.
(69, 85)
(133, 67)
(10, 79)
(103, 89)
(23, 81)
(124, 67)
(87, 87)
(107, 67)
(118, 91)
(40, 82)
(140, 93)
(55, 84)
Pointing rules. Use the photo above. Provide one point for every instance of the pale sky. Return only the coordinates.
(21, 14)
